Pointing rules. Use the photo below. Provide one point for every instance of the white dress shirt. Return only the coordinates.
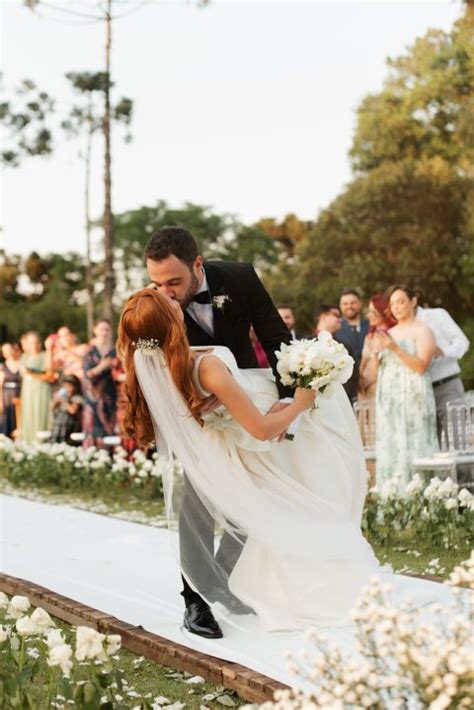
(202, 312)
(449, 338)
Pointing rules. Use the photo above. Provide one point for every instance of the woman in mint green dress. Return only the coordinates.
(35, 368)
(405, 413)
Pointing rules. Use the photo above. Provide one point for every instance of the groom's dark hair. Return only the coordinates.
(175, 241)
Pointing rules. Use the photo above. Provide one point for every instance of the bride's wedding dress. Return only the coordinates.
(293, 550)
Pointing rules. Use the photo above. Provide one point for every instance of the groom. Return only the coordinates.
(220, 300)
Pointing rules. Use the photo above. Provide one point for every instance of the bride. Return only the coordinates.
(288, 513)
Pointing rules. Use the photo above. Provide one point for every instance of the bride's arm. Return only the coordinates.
(216, 378)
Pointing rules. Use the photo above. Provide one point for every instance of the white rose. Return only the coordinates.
(464, 497)
(89, 644)
(451, 503)
(54, 638)
(18, 606)
(26, 626)
(324, 336)
(3, 634)
(415, 485)
(344, 373)
(42, 619)
(113, 643)
(61, 655)
(4, 600)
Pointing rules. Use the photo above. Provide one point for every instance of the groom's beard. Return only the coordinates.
(193, 287)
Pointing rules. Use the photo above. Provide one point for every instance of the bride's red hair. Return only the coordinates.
(148, 314)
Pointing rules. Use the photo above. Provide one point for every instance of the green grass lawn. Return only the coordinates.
(418, 557)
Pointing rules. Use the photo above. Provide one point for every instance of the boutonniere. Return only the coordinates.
(220, 301)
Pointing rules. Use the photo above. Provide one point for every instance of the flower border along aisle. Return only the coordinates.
(438, 512)
(31, 646)
(69, 467)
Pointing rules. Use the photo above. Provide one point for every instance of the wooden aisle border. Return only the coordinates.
(248, 684)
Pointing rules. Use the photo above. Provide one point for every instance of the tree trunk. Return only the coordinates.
(109, 277)
(89, 280)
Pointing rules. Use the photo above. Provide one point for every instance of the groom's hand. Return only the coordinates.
(278, 407)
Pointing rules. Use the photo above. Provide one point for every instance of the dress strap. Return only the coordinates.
(195, 374)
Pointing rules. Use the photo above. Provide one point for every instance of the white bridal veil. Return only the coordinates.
(275, 525)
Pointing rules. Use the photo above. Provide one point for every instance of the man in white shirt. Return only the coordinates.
(444, 370)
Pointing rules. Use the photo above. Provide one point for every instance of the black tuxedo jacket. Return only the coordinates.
(248, 303)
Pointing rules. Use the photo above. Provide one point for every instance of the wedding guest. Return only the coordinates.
(68, 353)
(67, 407)
(259, 351)
(10, 383)
(379, 322)
(100, 393)
(405, 425)
(37, 378)
(451, 345)
(354, 328)
(328, 317)
(289, 320)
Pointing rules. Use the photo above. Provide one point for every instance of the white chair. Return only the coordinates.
(460, 419)
(111, 441)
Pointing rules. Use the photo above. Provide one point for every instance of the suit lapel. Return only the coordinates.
(223, 316)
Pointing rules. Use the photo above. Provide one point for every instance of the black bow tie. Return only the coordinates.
(202, 297)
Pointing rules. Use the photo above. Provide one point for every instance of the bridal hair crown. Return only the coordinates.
(146, 345)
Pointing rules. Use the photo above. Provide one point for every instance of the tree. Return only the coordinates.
(219, 237)
(402, 222)
(25, 120)
(408, 215)
(426, 106)
(134, 227)
(84, 121)
(288, 233)
(105, 11)
(41, 293)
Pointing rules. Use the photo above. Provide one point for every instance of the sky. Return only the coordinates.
(247, 107)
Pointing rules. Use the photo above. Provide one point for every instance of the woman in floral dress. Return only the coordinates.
(405, 405)
(100, 393)
(36, 390)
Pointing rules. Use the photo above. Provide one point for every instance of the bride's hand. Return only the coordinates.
(304, 398)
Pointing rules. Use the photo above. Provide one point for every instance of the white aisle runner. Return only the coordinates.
(130, 571)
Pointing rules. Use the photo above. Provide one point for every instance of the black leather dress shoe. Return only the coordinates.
(199, 620)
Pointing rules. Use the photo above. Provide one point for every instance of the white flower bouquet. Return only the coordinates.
(317, 364)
